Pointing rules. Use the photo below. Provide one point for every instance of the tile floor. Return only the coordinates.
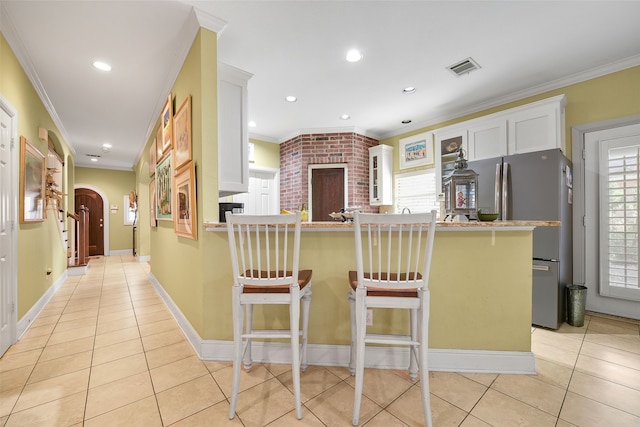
(106, 352)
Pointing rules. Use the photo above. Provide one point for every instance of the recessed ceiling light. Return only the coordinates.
(102, 66)
(291, 98)
(345, 117)
(251, 124)
(406, 122)
(409, 89)
(354, 55)
(93, 159)
(107, 145)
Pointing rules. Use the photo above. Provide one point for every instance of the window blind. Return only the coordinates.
(416, 191)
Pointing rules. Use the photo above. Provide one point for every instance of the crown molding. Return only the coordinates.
(209, 22)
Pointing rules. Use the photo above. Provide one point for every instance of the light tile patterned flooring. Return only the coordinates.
(105, 351)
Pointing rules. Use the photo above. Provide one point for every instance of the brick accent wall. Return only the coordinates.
(298, 153)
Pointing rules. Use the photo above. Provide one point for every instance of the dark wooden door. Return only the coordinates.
(93, 202)
(327, 192)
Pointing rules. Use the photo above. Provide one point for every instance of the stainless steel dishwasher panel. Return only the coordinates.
(548, 295)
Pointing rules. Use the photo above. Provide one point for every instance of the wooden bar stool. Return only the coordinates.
(393, 260)
(265, 252)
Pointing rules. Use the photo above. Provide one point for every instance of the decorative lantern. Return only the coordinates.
(460, 191)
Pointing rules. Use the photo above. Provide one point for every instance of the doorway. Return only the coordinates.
(93, 201)
(9, 148)
(327, 190)
(603, 257)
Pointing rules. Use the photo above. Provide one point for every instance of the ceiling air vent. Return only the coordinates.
(464, 67)
(94, 156)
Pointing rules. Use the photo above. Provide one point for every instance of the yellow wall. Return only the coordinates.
(608, 97)
(115, 184)
(267, 154)
(39, 244)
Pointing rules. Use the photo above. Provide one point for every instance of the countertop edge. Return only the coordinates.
(441, 226)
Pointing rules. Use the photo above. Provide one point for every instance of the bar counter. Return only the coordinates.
(481, 284)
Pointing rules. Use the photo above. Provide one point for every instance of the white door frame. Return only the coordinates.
(11, 290)
(594, 300)
(105, 213)
(327, 166)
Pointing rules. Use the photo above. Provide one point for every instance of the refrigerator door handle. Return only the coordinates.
(505, 190)
(496, 192)
(538, 267)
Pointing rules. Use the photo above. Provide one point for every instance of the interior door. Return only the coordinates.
(93, 201)
(263, 197)
(603, 296)
(327, 192)
(8, 257)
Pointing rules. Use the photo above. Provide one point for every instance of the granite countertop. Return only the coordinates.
(444, 225)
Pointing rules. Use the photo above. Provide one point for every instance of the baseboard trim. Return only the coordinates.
(25, 322)
(143, 258)
(446, 360)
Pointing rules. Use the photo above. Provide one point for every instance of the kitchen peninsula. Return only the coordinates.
(481, 284)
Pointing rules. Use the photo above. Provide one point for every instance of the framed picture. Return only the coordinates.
(152, 203)
(32, 175)
(152, 158)
(164, 174)
(416, 150)
(185, 223)
(166, 123)
(182, 134)
(159, 144)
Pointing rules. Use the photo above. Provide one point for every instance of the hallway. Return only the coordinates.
(105, 351)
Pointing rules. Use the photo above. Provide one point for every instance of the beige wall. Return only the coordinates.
(39, 244)
(115, 185)
(267, 154)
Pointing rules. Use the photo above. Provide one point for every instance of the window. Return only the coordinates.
(416, 191)
(619, 185)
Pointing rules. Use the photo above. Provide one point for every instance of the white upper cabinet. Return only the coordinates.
(539, 126)
(381, 175)
(233, 140)
(487, 139)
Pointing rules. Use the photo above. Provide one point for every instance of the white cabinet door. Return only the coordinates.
(233, 141)
(380, 175)
(538, 127)
(487, 140)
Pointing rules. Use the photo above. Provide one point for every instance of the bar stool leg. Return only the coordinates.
(361, 323)
(248, 360)
(238, 316)
(413, 349)
(294, 325)
(352, 356)
(424, 359)
(306, 304)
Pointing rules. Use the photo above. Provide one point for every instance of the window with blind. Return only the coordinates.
(416, 191)
(619, 178)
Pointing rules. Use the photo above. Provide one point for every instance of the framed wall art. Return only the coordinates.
(152, 158)
(182, 134)
(159, 144)
(164, 175)
(152, 203)
(32, 174)
(416, 150)
(166, 123)
(185, 223)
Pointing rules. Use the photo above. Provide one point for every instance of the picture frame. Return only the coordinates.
(159, 144)
(185, 222)
(166, 123)
(182, 134)
(164, 181)
(153, 150)
(152, 203)
(32, 179)
(416, 150)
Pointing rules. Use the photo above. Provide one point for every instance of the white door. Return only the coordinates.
(8, 221)
(263, 197)
(612, 208)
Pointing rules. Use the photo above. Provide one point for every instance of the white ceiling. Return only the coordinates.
(298, 47)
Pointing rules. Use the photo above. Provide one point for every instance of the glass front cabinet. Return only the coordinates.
(380, 175)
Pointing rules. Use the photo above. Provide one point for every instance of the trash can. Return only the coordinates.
(576, 301)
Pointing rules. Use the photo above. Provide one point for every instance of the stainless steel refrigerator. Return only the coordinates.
(536, 186)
